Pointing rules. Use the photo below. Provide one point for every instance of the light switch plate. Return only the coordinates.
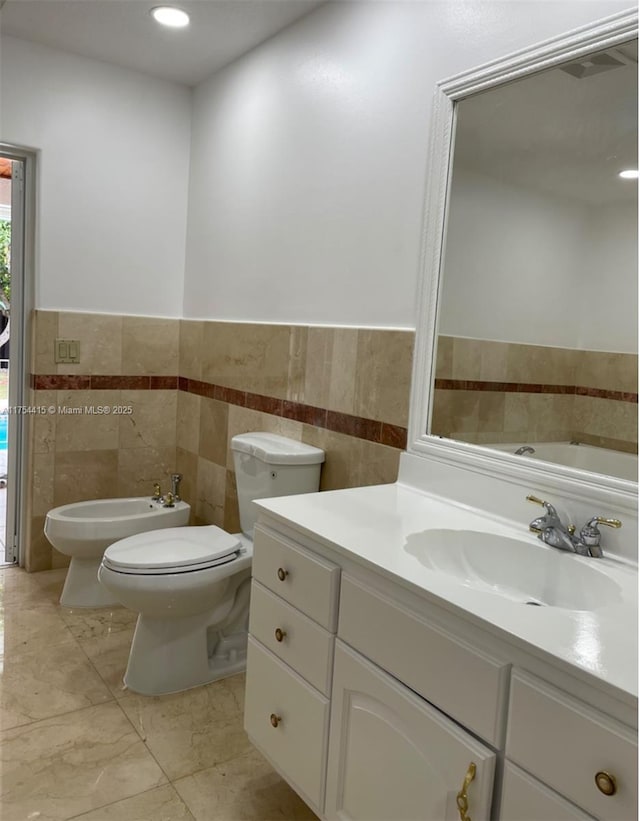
(67, 351)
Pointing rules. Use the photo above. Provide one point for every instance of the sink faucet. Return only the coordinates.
(176, 478)
(551, 531)
(550, 518)
(590, 534)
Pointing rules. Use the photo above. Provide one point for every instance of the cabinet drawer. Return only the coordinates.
(297, 745)
(524, 798)
(300, 642)
(565, 742)
(305, 580)
(463, 682)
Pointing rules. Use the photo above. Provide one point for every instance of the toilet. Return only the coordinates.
(191, 585)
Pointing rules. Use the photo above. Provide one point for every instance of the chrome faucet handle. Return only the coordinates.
(558, 536)
(157, 492)
(590, 534)
(550, 519)
(176, 478)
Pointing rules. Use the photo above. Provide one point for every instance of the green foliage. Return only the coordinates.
(5, 257)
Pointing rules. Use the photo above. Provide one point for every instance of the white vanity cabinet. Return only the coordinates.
(394, 756)
(524, 798)
(573, 748)
(378, 704)
(294, 603)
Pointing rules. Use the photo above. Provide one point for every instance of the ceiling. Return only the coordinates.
(556, 133)
(123, 33)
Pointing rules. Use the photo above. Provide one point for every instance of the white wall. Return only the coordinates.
(309, 155)
(526, 267)
(113, 170)
(308, 163)
(610, 308)
(512, 265)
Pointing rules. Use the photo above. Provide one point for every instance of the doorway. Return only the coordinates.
(16, 263)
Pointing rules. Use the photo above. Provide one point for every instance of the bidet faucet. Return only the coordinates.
(169, 500)
(176, 478)
(524, 449)
(157, 492)
(551, 531)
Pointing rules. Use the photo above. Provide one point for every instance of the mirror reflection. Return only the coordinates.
(537, 320)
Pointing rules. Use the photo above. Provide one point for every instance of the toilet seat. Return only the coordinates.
(172, 550)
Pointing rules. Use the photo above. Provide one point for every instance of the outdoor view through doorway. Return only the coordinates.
(5, 297)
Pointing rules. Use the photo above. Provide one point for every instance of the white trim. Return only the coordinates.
(23, 255)
(590, 487)
(5, 212)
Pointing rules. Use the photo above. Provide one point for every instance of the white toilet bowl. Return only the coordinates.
(192, 596)
(83, 530)
(191, 585)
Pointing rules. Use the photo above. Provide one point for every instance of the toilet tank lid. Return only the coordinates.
(277, 450)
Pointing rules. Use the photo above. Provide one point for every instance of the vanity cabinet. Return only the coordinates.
(579, 751)
(524, 798)
(394, 756)
(377, 704)
(467, 684)
(294, 604)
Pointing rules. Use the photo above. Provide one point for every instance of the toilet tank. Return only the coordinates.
(269, 465)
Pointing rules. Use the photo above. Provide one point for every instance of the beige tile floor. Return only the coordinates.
(75, 744)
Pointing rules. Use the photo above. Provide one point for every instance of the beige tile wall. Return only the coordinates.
(484, 417)
(363, 372)
(356, 371)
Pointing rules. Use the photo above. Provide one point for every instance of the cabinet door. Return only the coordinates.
(394, 757)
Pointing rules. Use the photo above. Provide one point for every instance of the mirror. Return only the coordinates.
(532, 350)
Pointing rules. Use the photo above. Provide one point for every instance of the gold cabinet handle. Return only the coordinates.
(282, 573)
(280, 634)
(462, 799)
(274, 719)
(606, 783)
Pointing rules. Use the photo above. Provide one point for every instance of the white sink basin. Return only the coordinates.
(527, 572)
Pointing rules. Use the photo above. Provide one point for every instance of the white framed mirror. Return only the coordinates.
(526, 358)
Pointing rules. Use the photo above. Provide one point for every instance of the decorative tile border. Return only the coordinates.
(526, 387)
(359, 427)
(96, 382)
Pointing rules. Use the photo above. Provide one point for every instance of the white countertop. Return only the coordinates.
(373, 526)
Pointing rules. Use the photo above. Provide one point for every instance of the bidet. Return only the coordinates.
(84, 530)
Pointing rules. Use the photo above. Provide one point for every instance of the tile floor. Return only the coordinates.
(75, 744)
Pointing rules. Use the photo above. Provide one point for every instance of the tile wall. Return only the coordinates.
(191, 386)
(503, 392)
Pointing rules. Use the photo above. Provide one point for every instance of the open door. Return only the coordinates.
(14, 210)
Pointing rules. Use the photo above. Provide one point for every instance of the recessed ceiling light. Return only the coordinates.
(170, 16)
(629, 174)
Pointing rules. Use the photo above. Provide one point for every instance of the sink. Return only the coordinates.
(527, 572)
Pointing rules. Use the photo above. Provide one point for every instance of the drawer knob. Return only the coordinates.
(280, 634)
(462, 799)
(274, 719)
(282, 573)
(606, 783)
